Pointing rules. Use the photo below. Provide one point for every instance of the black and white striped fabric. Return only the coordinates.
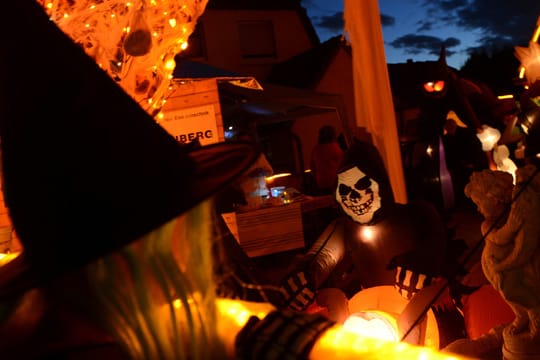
(281, 335)
(299, 291)
(408, 282)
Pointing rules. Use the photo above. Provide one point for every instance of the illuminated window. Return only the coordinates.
(257, 39)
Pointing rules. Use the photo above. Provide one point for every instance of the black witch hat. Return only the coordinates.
(86, 170)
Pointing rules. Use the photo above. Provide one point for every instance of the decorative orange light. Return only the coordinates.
(434, 86)
(271, 178)
(373, 324)
(158, 30)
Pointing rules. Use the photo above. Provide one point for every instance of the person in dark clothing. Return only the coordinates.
(325, 160)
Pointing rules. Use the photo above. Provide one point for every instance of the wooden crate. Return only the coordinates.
(271, 230)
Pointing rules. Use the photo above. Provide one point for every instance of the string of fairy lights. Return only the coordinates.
(135, 41)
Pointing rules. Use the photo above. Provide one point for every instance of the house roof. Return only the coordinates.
(253, 5)
(265, 5)
(306, 70)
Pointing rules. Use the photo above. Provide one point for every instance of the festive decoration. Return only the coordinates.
(511, 257)
(530, 57)
(488, 137)
(389, 306)
(135, 42)
(336, 342)
(373, 324)
(530, 60)
(501, 157)
(358, 195)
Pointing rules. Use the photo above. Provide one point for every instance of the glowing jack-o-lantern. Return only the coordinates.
(373, 324)
(386, 305)
(434, 86)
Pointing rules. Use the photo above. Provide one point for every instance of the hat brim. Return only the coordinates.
(86, 170)
(216, 166)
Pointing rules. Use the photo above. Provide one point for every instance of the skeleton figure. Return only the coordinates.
(358, 195)
(381, 235)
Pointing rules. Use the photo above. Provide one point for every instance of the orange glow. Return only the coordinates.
(534, 38)
(503, 97)
(337, 343)
(536, 34)
(276, 176)
(5, 258)
(103, 25)
(521, 72)
(367, 233)
(434, 86)
(373, 324)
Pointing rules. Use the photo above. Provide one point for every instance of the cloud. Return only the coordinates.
(415, 44)
(333, 23)
(387, 20)
(507, 22)
(501, 23)
(482, 24)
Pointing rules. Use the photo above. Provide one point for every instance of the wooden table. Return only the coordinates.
(276, 228)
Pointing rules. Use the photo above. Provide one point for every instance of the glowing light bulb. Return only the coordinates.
(488, 137)
(367, 233)
(170, 64)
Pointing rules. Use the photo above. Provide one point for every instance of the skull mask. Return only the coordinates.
(358, 195)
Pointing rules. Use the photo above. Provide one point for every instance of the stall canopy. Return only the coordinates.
(276, 103)
(244, 97)
(190, 70)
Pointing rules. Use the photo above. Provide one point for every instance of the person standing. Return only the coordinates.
(326, 158)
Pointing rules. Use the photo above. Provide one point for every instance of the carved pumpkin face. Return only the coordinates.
(358, 195)
(434, 86)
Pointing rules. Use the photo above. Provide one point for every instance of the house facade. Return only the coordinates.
(306, 84)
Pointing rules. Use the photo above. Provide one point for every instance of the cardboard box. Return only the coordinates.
(271, 230)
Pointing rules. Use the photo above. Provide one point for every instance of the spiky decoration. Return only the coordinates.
(530, 60)
(135, 41)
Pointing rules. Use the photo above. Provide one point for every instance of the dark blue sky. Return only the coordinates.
(415, 29)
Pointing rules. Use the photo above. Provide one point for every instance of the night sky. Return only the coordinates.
(416, 29)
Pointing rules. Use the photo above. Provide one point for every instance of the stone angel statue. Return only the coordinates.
(511, 255)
